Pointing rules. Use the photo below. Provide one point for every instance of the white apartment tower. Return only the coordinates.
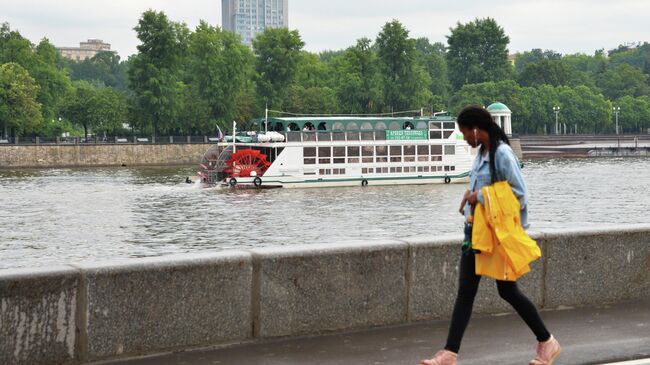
(250, 17)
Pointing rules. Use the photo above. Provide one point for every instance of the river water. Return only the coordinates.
(58, 216)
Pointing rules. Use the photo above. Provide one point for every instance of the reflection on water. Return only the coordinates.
(55, 216)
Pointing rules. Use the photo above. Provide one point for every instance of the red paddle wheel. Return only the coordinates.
(243, 162)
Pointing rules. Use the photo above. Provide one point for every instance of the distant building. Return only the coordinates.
(250, 17)
(85, 50)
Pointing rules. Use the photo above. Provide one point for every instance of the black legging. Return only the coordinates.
(468, 285)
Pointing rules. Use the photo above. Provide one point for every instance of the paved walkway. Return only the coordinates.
(591, 336)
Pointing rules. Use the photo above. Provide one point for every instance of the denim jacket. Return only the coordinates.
(507, 167)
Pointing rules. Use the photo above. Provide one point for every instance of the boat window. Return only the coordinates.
(367, 153)
(293, 127)
(382, 153)
(394, 126)
(279, 127)
(380, 135)
(408, 125)
(338, 136)
(395, 150)
(423, 153)
(380, 126)
(324, 136)
(450, 150)
(339, 151)
(366, 126)
(435, 126)
(352, 126)
(310, 161)
(322, 126)
(352, 136)
(353, 159)
(446, 168)
(409, 153)
(395, 169)
(435, 134)
(421, 125)
(338, 126)
(367, 136)
(353, 151)
(446, 134)
(324, 151)
(339, 160)
(308, 126)
(449, 125)
(436, 150)
(436, 158)
(309, 151)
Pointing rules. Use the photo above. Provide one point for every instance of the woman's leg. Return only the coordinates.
(509, 291)
(467, 286)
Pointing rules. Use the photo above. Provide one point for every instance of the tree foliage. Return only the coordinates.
(19, 108)
(277, 54)
(477, 52)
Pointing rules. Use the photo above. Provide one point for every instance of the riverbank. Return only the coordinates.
(582, 146)
(57, 156)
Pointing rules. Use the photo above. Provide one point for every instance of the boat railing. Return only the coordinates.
(327, 136)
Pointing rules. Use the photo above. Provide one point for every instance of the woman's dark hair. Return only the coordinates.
(474, 116)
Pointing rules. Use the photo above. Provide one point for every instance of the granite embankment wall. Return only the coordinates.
(76, 314)
(100, 155)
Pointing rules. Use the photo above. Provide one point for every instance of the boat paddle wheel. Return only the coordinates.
(211, 168)
(246, 163)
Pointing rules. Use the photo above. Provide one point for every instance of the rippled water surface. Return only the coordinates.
(56, 216)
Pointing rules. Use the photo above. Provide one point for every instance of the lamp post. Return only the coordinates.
(616, 109)
(556, 110)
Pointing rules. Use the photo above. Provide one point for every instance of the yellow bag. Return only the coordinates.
(506, 249)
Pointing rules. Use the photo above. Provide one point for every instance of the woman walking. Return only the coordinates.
(494, 162)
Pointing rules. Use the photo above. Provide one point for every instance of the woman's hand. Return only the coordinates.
(468, 198)
(461, 210)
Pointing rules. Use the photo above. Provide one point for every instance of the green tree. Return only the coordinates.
(583, 107)
(96, 109)
(545, 72)
(634, 116)
(277, 54)
(623, 80)
(104, 67)
(405, 82)
(357, 79)
(155, 72)
(218, 69)
(432, 58)
(533, 56)
(477, 53)
(55, 84)
(19, 108)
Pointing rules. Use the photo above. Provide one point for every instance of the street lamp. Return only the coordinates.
(616, 109)
(556, 110)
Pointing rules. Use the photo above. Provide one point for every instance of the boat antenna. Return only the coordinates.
(234, 126)
(266, 118)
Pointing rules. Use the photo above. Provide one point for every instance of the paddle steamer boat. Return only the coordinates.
(294, 152)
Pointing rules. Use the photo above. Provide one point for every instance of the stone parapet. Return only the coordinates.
(87, 312)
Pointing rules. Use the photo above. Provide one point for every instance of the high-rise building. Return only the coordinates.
(250, 17)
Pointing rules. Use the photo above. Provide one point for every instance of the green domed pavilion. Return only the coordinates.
(502, 116)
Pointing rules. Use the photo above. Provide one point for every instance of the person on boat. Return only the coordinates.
(495, 159)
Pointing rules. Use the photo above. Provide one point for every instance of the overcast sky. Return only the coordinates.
(566, 26)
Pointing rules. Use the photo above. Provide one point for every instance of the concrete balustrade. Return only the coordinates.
(86, 312)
